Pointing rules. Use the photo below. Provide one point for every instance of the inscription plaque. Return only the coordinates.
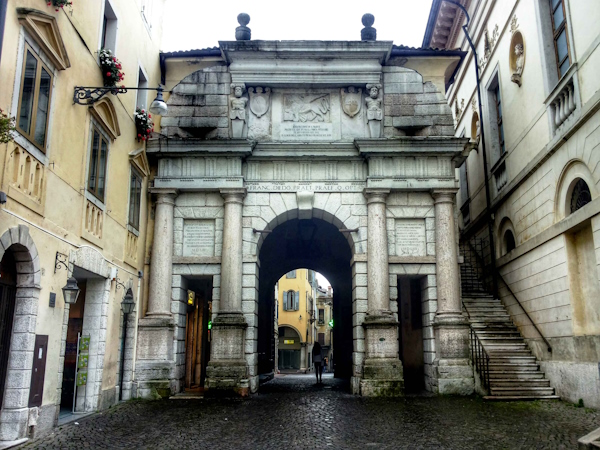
(307, 131)
(410, 237)
(199, 238)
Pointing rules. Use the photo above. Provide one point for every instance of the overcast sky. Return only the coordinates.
(193, 24)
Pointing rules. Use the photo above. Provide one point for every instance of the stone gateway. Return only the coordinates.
(338, 156)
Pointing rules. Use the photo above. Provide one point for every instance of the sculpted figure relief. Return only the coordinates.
(237, 111)
(374, 109)
(519, 63)
(306, 108)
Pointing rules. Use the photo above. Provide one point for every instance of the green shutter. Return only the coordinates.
(297, 301)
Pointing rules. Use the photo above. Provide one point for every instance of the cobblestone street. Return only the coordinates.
(291, 412)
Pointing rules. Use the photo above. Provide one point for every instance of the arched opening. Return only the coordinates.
(8, 290)
(580, 196)
(317, 245)
(290, 348)
(509, 241)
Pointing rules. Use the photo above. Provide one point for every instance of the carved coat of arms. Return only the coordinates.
(351, 100)
(260, 99)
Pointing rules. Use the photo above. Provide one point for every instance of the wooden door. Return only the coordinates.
(36, 389)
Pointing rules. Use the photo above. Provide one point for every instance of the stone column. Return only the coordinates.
(382, 371)
(455, 374)
(161, 264)
(227, 369)
(155, 366)
(304, 357)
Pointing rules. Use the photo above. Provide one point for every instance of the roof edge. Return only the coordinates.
(433, 13)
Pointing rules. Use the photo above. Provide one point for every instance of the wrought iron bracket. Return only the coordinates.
(61, 260)
(90, 95)
(120, 284)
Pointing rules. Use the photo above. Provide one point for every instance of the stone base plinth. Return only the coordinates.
(455, 377)
(382, 378)
(227, 371)
(155, 378)
(452, 365)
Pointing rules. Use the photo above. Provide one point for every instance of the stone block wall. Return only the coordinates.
(413, 108)
(198, 106)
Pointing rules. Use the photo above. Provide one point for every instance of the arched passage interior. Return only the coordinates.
(314, 244)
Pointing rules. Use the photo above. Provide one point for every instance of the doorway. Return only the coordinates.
(8, 290)
(410, 333)
(197, 337)
(317, 245)
(289, 350)
(74, 330)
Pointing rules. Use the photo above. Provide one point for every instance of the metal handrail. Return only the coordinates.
(482, 259)
(525, 311)
(480, 358)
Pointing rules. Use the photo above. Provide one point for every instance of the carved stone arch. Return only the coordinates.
(574, 171)
(506, 232)
(105, 113)
(91, 260)
(44, 29)
(14, 416)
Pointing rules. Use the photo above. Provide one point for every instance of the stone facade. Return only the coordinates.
(309, 152)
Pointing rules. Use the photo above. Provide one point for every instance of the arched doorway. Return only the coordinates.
(317, 245)
(8, 290)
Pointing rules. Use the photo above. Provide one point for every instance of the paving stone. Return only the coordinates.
(292, 412)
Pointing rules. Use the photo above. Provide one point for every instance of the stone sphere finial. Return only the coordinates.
(368, 33)
(243, 33)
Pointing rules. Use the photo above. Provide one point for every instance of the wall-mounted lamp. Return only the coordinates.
(71, 291)
(300, 317)
(90, 95)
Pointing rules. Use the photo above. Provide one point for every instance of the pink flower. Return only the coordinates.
(139, 135)
(150, 116)
(108, 74)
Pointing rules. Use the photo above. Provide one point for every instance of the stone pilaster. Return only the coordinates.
(227, 369)
(382, 370)
(155, 365)
(454, 371)
(304, 357)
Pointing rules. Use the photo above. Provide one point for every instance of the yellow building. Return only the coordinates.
(75, 179)
(325, 323)
(296, 319)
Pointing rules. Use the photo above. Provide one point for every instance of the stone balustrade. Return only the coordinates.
(563, 104)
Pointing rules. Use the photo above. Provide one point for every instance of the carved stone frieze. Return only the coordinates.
(306, 108)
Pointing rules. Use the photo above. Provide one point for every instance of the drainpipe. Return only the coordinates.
(3, 5)
(485, 163)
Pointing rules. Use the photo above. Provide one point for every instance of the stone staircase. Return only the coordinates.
(514, 373)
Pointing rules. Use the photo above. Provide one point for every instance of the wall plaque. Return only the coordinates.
(199, 238)
(306, 131)
(410, 237)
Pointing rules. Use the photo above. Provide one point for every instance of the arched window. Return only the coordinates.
(509, 241)
(581, 195)
(291, 301)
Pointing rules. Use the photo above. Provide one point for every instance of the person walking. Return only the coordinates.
(318, 360)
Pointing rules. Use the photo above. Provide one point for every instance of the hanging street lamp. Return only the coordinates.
(85, 95)
(71, 291)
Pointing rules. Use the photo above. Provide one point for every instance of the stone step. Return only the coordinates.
(518, 384)
(515, 375)
(507, 366)
(494, 354)
(494, 338)
(512, 359)
(499, 346)
(498, 333)
(508, 391)
(520, 398)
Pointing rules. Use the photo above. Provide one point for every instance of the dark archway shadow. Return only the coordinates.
(317, 245)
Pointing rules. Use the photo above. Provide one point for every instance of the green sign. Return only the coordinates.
(331, 323)
(84, 344)
(81, 378)
(83, 361)
(210, 324)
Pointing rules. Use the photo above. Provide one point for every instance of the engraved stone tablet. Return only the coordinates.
(410, 237)
(306, 131)
(199, 238)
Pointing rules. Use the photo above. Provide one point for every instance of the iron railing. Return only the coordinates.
(480, 358)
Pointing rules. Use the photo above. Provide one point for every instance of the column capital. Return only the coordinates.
(374, 195)
(444, 195)
(164, 195)
(233, 195)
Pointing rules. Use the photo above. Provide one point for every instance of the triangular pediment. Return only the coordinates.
(44, 29)
(105, 113)
(140, 161)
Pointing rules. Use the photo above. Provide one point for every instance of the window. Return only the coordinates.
(291, 274)
(321, 315)
(34, 99)
(322, 339)
(97, 169)
(142, 95)
(109, 28)
(135, 198)
(581, 195)
(561, 41)
(291, 301)
(498, 101)
(509, 241)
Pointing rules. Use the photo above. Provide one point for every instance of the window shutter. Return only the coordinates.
(285, 301)
(297, 301)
